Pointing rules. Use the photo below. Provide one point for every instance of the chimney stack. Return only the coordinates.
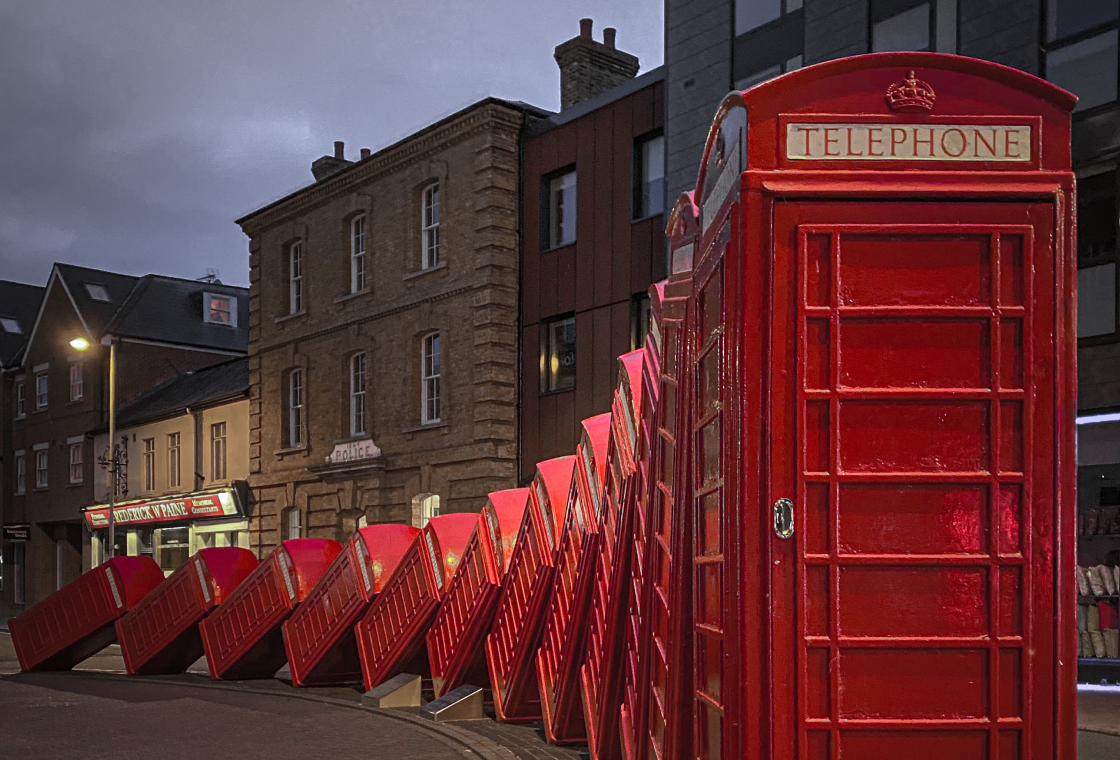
(589, 68)
(340, 150)
(325, 166)
(365, 153)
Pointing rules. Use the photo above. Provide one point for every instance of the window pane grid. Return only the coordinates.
(218, 451)
(21, 400)
(430, 380)
(358, 255)
(173, 460)
(21, 474)
(220, 310)
(295, 408)
(558, 356)
(562, 209)
(149, 464)
(358, 394)
(76, 385)
(295, 279)
(76, 471)
(430, 227)
(41, 391)
(41, 469)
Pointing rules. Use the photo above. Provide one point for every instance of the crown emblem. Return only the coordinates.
(910, 95)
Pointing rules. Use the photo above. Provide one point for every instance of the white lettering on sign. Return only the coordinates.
(725, 183)
(908, 142)
(354, 451)
(113, 587)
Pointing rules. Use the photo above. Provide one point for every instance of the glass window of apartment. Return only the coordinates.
(639, 320)
(430, 227)
(430, 376)
(149, 464)
(218, 451)
(1086, 66)
(1097, 255)
(558, 355)
(41, 475)
(77, 473)
(292, 521)
(295, 278)
(901, 30)
(221, 309)
(649, 176)
(41, 386)
(358, 394)
(758, 77)
(76, 385)
(560, 214)
(9, 325)
(21, 472)
(295, 407)
(429, 508)
(358, 254)
(21, 399)
(173, 460)
(751, 14)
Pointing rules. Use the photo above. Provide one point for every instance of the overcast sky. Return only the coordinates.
(133, 132)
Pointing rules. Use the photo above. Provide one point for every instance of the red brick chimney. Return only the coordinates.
(588, 68)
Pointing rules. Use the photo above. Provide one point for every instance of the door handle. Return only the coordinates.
(783, 518)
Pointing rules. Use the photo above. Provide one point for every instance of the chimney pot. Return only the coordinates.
(608, 37)
(339, 149)
(585, 27)
(365, 153)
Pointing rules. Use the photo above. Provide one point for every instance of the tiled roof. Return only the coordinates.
(195, 389)
(18, 302)
(171, 310)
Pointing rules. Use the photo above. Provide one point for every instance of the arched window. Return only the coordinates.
(430, 227)
(430, 379)
(358, 254)
(357, 394)
(424, 508)
(291, 523)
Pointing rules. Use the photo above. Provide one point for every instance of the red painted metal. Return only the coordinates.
(512, 644)
(457, 638)
(160, 634)
(565, 633)
(319, 636)
(890, 345)
(601, 674)
(242, 636)
(77, 621)
(391, 634)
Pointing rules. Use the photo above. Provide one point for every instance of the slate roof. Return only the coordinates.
(19, 302)
(540, 126)
(96, 314)
(194, 389)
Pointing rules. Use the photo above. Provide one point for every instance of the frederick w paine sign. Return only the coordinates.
(908, 142)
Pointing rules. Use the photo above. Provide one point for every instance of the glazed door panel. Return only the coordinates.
(913, 361)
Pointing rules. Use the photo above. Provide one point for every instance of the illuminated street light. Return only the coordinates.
(81, 344)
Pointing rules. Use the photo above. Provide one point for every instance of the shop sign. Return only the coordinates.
(908, 142)
(192, 507)
(354, 451)
(17, 532)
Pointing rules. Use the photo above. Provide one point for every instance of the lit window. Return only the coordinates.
(295, 407)
(76, 381)
(173, 460)
(218, 451)
(430, 227)
(41, 396)
(649, 177)
(21, 472)
(558, 355)
(1086, 68)
(97, 292)
(358, 254)
(220, 309)
(21, 400)
(908, 30)
(357, 394)
(295, 278)
(41, 468)
(10, 325)
(149, 464)
(77, 474)
(430, 377)
(561, 213)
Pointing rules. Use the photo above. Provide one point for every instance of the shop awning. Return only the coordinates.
(215, 503)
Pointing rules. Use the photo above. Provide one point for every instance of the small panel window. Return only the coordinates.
(357, 394)
(430, 380)
(430, 227)
(173, 460)
(149, 464)
(21, 400)
(41, 388)
(76, 383)
(21, 473)
(9, 325)
(560, 213)
(218, 451)
(97, 292)
(649, 177)
(558, 355)
(220, 309)
(41, 479)
(358, 254)
(295, 278)
(295, 407)
(77, 473)
(293, 523)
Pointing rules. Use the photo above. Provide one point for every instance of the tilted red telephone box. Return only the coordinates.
(319, 636)
(601, 675)
(565, 631)
(457, 638)
(882, 465)
(160, 634)
(511, 647)
(242, 636)
(78, 620)
(391, 635)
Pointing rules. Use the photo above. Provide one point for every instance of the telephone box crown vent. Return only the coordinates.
(910, 95)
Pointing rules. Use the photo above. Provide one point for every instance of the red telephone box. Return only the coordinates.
(601, 674)
(565, 633)
(881, 350)
(511, 647)
(456, 640)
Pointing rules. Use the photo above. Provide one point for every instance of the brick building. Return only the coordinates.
(161, 326)
(592, 238)
(383, 339)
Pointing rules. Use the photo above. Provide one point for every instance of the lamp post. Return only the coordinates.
(81, 344)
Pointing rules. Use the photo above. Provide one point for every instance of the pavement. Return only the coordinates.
(97, 712)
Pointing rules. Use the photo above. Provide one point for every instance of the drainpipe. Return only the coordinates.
(198, 467)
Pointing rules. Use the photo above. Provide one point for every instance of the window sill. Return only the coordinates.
(301, 449)
(349, 296)
(19, 493)
(420, 272)
(426, 426)
(74, 401)
(40, 489)
(79, 484)
(560, 247)
(286, 317)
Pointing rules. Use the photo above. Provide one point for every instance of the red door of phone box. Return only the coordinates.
(242, 636)
(160, 634)
(565, 630)
(457, 638)
(663, 733)
(882, 480)
(391, 634)
(77, 621)
(651, 523)
(601, 674)
(319, 636)
(512, 644)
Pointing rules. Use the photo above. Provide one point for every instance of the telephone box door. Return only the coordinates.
(913, 415)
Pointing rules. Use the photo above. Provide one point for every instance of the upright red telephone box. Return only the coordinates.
(881, 349)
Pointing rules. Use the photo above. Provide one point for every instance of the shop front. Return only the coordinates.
(172, 528)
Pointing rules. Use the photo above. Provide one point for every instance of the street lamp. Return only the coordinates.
(81, 344)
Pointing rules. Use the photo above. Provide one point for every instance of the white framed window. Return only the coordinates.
(295, 407)
(358, 254)
(77, 473)
(149, 464)
(21, 399)
(76, 385)
(293, 523)
(97, 292)
(173, 460)
(561, 216)
(41, 388)
(430, 379)
(430, 226)
(220, 309)
(429, 508)
(9, 325)
(41, 475)
(218, 451)
(357, 394)
(649, 176)
(295, 278)
(21, 472)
